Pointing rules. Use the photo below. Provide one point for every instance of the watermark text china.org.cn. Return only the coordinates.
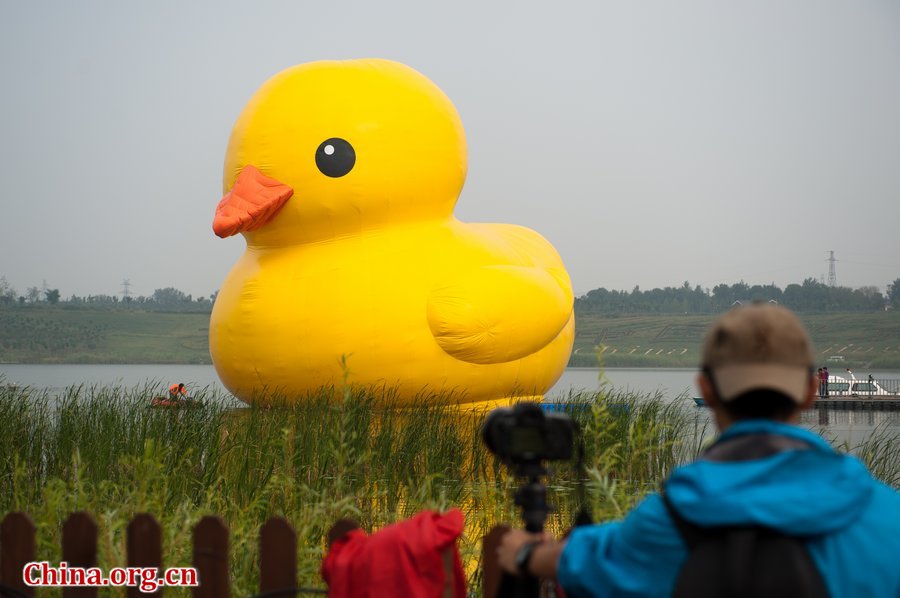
(146, 579)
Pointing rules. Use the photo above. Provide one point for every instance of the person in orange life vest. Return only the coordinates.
(177, 392)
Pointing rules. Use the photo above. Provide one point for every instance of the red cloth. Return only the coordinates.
(403, 559)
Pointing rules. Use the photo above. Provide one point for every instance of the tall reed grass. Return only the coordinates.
(340, 453)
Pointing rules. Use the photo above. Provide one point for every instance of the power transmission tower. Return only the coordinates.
(832, 279)
(126, 286)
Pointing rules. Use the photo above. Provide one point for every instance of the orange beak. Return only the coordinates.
(252, 202)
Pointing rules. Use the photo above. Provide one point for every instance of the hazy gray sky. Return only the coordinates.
(650, 142)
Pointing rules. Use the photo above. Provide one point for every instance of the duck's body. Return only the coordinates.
(368, 270)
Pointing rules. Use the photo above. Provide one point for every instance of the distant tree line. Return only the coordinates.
(810, 296)
(167, 299)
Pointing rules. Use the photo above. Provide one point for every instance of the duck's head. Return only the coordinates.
(328, 149)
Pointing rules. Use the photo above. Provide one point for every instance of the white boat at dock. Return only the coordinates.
(839, 386)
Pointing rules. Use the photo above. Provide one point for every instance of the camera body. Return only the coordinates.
(525, 434)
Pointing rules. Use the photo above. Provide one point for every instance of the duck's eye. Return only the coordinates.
(335, 157)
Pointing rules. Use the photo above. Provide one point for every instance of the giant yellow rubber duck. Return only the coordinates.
(342, 176)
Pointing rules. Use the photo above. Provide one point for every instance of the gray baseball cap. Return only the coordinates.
(759, 346)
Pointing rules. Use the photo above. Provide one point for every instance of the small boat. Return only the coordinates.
(581, 407)
(842, 387)
(562, 406)
(166, 402)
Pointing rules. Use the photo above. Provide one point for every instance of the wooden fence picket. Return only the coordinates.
(277, 556)
(211, 558)
(144, 549)
(17, 549)
(79, 549)
(492, 574)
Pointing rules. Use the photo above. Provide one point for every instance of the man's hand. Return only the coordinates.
(543, 559)
(511, 543)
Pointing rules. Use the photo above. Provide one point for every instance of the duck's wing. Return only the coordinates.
(500, 313)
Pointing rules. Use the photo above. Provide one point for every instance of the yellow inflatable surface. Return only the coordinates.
(342, 177)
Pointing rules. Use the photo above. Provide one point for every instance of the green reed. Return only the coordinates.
(340, 452)
(880, 451)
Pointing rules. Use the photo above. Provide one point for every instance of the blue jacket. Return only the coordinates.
(853, 521)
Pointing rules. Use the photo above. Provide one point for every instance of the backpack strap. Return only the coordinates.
(691, 533)
(730, 578)
(749, 447)
(746, 447)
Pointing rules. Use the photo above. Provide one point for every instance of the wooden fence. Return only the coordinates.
(277, 555)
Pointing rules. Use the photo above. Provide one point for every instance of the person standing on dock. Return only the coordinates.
(821, 385)
(823, 382)
(765, 475)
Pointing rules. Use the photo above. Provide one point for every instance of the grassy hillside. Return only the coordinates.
(870, 340)
(66, 335)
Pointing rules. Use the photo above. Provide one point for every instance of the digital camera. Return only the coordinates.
(526, 434)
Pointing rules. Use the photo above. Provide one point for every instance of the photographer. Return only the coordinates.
(763, 473)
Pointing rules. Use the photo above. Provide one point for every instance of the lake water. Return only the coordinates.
(847, 426)
(670, 381)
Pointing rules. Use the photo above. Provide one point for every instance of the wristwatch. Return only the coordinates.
(523, 557)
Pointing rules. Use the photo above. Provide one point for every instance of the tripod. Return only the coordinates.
(532, 498)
